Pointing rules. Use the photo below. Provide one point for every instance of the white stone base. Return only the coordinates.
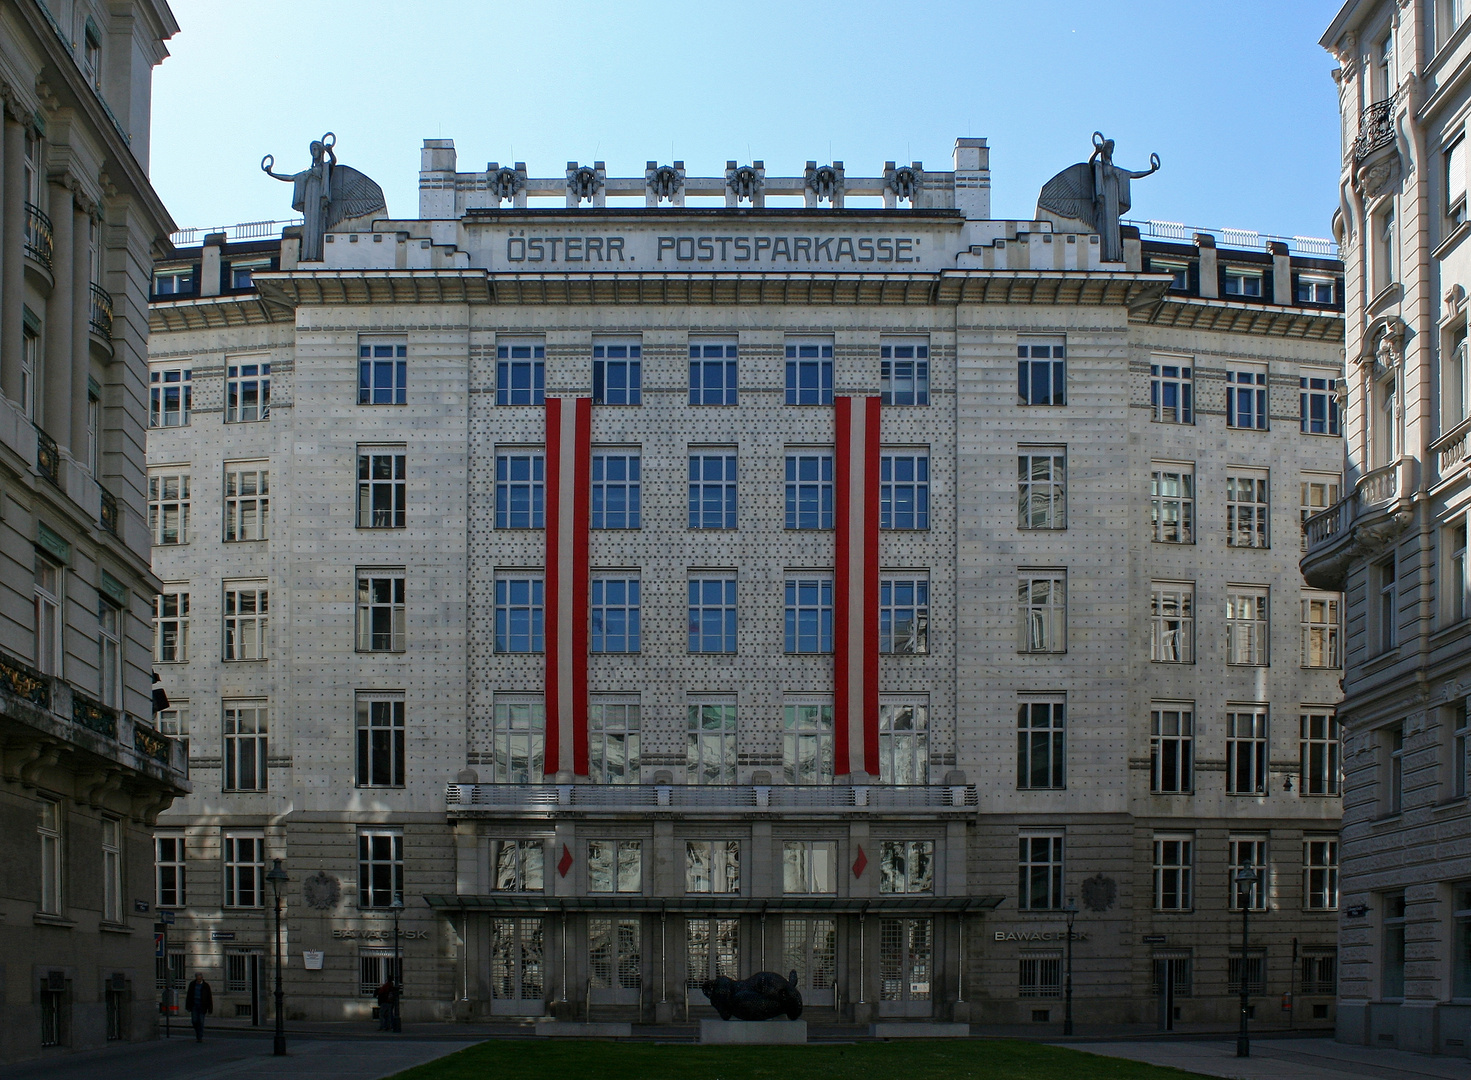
(931, 1030)
(754, 1032)
(575, 1030)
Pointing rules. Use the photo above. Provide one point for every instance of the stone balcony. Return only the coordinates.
(1359, 525)
(684, 800)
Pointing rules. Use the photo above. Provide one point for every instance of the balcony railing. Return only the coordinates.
(94, 716)
(1380, 486)
(38, 235)
(109, 511)
(48, 457)
(100, 316)
(150, 743)
(732, 797)
(1376, 128)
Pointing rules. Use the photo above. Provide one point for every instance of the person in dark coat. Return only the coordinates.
(387, 1003)
(199, 1001)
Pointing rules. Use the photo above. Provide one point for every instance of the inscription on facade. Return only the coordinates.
(1040, 935)
(825, 251)
(376, 935)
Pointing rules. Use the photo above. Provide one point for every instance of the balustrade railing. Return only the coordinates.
(109, 511)
(1378, 486)
(1376, 128)
(48, 457)
(100, 313)
(38, 235)
(776, 797)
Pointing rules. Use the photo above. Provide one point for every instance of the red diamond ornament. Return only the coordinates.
(859, 863)
(565, 862)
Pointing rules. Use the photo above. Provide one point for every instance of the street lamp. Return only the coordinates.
(1071, 911)
(277, 877)
(398, 965)
(1246, 879)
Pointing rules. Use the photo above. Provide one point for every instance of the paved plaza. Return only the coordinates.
(1279, 1059)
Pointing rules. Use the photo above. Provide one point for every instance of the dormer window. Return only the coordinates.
(1314, 290)
(1179, 272)
(177, 282)
(1243, 282)
(240, 272)
(92, 55)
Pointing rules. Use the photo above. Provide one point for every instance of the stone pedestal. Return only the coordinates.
(753, 1032)
(593, 1030)
(917, 1029)
(663, 1012)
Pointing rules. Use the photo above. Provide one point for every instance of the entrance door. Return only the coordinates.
(517, 978)
(714, 948)
(906, 967)
(810, 948)
(615, 966)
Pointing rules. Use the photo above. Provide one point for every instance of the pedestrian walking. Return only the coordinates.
(199, 1001)
(387, 1003)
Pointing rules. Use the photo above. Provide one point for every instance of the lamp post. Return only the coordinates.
(1071, 911)
(277, 877)
(1246, 879)
(398, 965)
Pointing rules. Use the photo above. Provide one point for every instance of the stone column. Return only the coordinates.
(81, 335)
(56, 377)
(12, 269)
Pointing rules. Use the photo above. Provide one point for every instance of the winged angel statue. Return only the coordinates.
(1094, 194)
(327, 194)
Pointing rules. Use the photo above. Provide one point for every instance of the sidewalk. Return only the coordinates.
(1276, 1059)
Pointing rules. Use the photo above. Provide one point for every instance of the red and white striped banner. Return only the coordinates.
(568, 505)
(856, 588)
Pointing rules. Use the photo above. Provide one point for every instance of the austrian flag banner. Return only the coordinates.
(856, 588)
(568, 504)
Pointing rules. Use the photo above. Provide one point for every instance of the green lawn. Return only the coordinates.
(907, 1059)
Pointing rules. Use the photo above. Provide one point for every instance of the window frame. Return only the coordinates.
(604, 363)
(809, 498)
(1049, 614)
(918, 361)
(1030, 349)
(906, 867)
(518, 723)
(509, 359)
(631, 485)
(1181, 475)
(370, 515)
(158, 395)
(1041, 744)
(235, 618)
(799, 608)
(1177, 625)
(1247, 384)
(505, 605)
(1172, 748)
(1040, 854)
(1322, 867)
(371, 607)
(1182, 866)
(373, 861)
(387, 357)
(1248, 743)
(904, 749)
(175, 861)
(51, 839)
(380, 735)
(721, 862)
(1248, 508)
(1321, 636)
(802, 353)
(710, 725)
(721, 354)
(1317, 403)
(159, 502)
(808, 740)
(244, 751)
(809, 867)
(620, 879)
(891, 610)
(1178, 376)
(238, 378)
(1248, 625)
(1320, 752)
(700, 609)
(614, 720)
(180, 591)
(891, 516)
(233, 863)
(49, 615)
(509, 485)
(701, 512)
(1046, 493)
(238, 502)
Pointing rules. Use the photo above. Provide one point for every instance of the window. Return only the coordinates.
(1461, 954)
(1246, 750)
(1319, 491)
(1174, 864)
(1381, 581)
(1454, 541)
(713, 490)
(904, 742)
(174, 721)
(377, 965)
(518, 865)
(48, 833)
(169, 866)
(1041, 368)
(380, 739)
(383, 373)
(1313, 289)
(242, 274)
(1385, 235)
(1320, 630)
(1041, 481)
(247, 393)
(110, 654)
(1179, 273)
(1174, 965)
(1255, 968)
(807, 742)
(1460, 751)
(520, 490)
(247, 502)
(245, 746)
(1242, 282)
(809, 866)
(1172, 622)
(1454, 157)
(904, 615)
(168, 507)
(712, 866)
(809, 615)
(520, 738)
(904, 372)
(48, 616)
(615, 615)
(904, 490)
(247, 613)
(112, 870)
(178, 281)
(1246, 510)
(1392, 962)
(171, 625)
(382, 489)
(809, 490)
(30, 366)
(94, 433)
(1246, 399)
(615, 491)
(1041, 746)
(616, 374)
(1318, 405)
(613, 741)
(1393, 739)
(1246, 626)
(92, 56)
(1039, 872)
(712, 614)
(237, 969)
(1039, 974)
(907, 866)
(712, 373)
(809, 373)
(1172, 391)
(1172, 748)
(518, 614)
(1319, 970)
(245, 869)
(1042, 610)
(1172, 503)
(380, 868)
(1320, 873)
(170, 396)
(1319, 749)
(712, 743)
(1386, 436)
(615, 866)
(382, 610)
(520, 373)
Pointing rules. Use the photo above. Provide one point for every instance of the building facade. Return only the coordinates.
(646, 579)
(83, 774)
(1392, 543)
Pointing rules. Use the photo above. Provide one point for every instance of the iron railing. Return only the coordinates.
(109, 511)
(100, 314)
(1376, 128)
(1248, 239)
(150, 743)
(245, 230)
(39, 243)
(94, 716)
(775, 797)
(48, 457)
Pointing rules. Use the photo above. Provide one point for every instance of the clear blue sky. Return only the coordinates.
(1236, 98)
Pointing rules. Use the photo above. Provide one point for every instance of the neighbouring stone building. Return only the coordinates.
(83, 775)
(1394, 543)
(647, 578)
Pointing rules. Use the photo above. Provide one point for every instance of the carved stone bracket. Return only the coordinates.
(1384, 344)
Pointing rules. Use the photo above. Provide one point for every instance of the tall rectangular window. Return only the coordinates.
(1039, 872)
(904, 614)
(617, 373)
(171, 625)
(615, 866)
(1246, 626)
(1246, 510)
(519, 723)
(520, 373)
(380, 868)
(809, 372)
(1172, 622)
(519, 613)
(1385, 609)
(1041, 483)
(613, 740)
(48, 835)
(904, 741)
(1320, 630)
(1041, 598)
(169, 866)
(1041, 746)
(1320, 873)
(1172, 748)
(1246, 398)
(809, 615)
(247, 393)
(1174, 867)
(809, 867)
(807, 742)
(1172, 503)
(1249, 853)
(47, 616)
(94, 433)
(245, 870)
(170, 394)
(1453, 552)
(615, 615)
(1041, 367)
(382, 488)
(904, 372)
(1393, 739)
(712, 486)
(1246, 750)
(616, 489)
(1459, 723)
(1461, 945)
(713, 372)
(711, 743)
(382, 610)
(1319, 491)
(1455, 378)
(712, 866)
(1172, 391)
(380, 739)
(247, 614)
(809, 489)
(112, 870)
(245, 745)
(383, 373)
(1453, 157)
(168, 507)
(247, 501)
(1320, 753)
(174, 721)
(1318, 405)
(904, 490)
(712, 614)
(1392, 938)
(1039, 974)
(110, 654)
(520, 489)
(906, 866)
